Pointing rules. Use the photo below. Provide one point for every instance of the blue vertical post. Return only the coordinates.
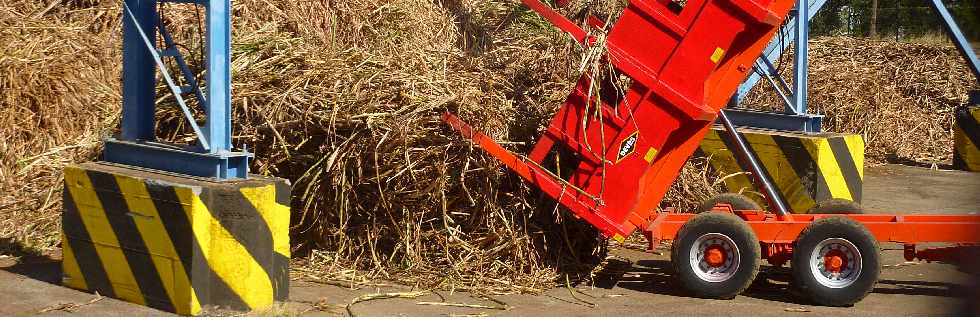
(218, 126)
(139, 74)
(801, 62)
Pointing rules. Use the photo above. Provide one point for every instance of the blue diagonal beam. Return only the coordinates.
(957, 35)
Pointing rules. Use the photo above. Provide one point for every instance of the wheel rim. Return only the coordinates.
(714, 257)
(836, 263)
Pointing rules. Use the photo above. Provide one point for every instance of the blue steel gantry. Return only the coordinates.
(795, 116)
(212, 155)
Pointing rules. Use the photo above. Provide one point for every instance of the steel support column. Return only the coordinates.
(801, 58)
(795, 116)
(139, 73)
(218, 126)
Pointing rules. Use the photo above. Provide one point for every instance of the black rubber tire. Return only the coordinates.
(835, 227)
(738, 201)
(734, 228)
(836, 206)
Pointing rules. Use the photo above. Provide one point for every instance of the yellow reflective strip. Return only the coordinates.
(855, 146)
(73, 274)
(717, 54)
(651, 154)
(781, 171)
(828, 167)
(618, 238)
(103, 237)
(158, 243)
(275, 215)
(229, 259)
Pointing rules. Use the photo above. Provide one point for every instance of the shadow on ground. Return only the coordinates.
(773, 284)
(29, 263)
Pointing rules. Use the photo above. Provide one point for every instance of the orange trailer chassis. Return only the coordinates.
(777, 234)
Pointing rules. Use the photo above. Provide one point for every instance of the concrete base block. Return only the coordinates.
(806, 168)
(176, 243)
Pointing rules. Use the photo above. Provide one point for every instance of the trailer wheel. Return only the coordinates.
(715, 255)
(738, 202)
(836, 206)
(835, 262)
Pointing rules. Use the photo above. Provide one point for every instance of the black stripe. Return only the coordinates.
(847, 167)
(280, 284)
(81, 244)
(283, 193)
(803, 166)
(208, 286)
(958, 162)
(240, 218)
(968, 124)
(134, 248)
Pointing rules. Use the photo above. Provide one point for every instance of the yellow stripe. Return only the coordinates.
(828, 167)
(276, 216)
(724, 163)
(229, 259)
(781, 171)
(158, 243)
(855, 146)
(73, 274)
(106, 245)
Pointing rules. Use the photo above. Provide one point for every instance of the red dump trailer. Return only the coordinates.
(610, 155)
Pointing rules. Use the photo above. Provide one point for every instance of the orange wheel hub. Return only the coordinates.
(834, 261)
(715, 256)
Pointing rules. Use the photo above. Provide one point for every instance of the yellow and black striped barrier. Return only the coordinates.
(806, 168)
(174, 243)
(966, 139)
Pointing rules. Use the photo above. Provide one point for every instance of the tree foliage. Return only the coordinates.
(899, 19)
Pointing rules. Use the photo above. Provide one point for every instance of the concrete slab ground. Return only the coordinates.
(635, 284)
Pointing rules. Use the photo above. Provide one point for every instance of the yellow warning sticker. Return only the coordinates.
(619, 238)
(717, 55)
(651, 154)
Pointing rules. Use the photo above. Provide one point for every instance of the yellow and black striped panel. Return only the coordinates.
(966, 139)
(175, 244)
(806, 168)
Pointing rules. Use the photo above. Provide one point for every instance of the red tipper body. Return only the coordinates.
(684, 65)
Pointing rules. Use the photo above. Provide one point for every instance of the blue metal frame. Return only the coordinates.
(774, 120)
(136, 145)
(795, 116)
